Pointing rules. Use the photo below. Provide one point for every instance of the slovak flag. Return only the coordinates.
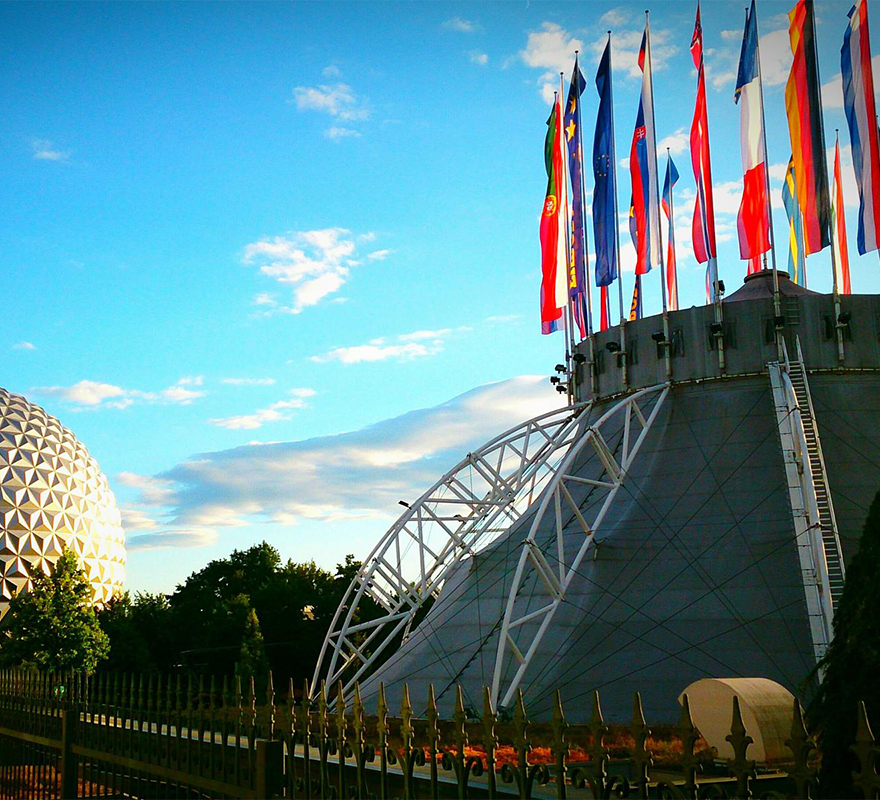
(643, 168)
(753, 219)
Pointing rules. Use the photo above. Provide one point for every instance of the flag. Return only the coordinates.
(703, 226)
(797, 266)
(753, 219)
(605, 316)
(605, 186)
(643, 169)
(841, 257)
(577, 283)
(804, 110)
(861, 117)
(671, 266)
(635, 308)
(553, 240)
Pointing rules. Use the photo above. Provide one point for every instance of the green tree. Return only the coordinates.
(140, 633)
(53, 626)
(851, 664)
(252, 661)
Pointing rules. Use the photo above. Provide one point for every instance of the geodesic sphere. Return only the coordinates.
(53, 496)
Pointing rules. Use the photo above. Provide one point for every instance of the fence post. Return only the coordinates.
(68, 767)
(270, 769)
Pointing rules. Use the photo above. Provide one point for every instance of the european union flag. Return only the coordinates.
(605, 186)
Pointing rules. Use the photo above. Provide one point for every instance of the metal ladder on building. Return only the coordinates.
(830, 538)
(818, 545)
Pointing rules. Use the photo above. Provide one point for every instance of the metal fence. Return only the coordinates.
(116, 736)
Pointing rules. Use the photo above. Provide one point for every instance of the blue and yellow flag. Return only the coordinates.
(797, 267)
(635, 308)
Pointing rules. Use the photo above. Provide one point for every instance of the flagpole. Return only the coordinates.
(621, 357)
(777, 306)
(666, 343)
(587, 287)
(569, 347)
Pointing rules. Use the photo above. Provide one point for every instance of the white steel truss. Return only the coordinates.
(469, 507)
(524, 626)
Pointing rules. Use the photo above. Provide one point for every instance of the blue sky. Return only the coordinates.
(243, 242)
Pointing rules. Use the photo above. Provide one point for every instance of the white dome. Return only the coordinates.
(53, 496)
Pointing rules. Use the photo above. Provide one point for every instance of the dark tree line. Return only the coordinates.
(244, 614)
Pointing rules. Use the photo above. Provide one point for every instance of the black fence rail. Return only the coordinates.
(114, 736)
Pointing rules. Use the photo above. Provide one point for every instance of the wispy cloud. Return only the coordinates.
(276, 412)
(94, 395)
(24, 346)
(338, 100)
(359, 474)
(479, 58)
(316, 263)
(248, 381)
(404, 347)
(337, 133)
(44, 150)
(331, 71)
(550, 49)
(379, 255)
(192, 537)
(460, 25)
(677, 143)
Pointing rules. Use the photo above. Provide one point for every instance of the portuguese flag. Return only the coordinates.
(554, 288)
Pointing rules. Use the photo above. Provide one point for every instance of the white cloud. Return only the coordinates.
(248, 381)
(479, 58)
(775, 57)
(331, 71)
(316, 263)
(550, 49)
(192, 537)
(264, 299)
(460, 25)
(136, 519)
(154, 491)
(677, 143)
(614, 18)
(732, 35)
(337, 133)
(191, 380)
(85, 393)
(23, 345)
(276, 412)
(44, 150)
(180, 394)
(625, 45)
(338, 100)
(406, 347)
(378, 351)
(352, 475)
(777, 171)
(416, 336)
(94, 395)
(832, 92)
(379, 255)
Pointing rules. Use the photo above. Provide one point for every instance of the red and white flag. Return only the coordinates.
(703, 226)
(753, 219)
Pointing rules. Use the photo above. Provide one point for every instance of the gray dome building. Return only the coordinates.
(691, 518)
(53, 496)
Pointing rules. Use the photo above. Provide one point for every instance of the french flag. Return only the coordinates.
(861, 117)
(643, 169)
(753, 219)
